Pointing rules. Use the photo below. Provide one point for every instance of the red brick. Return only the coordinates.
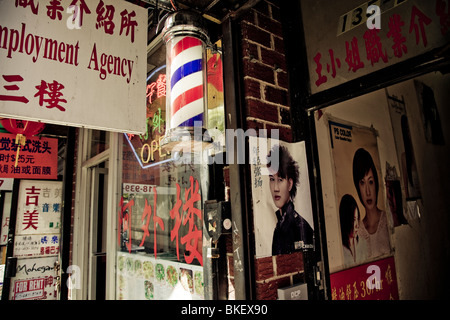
(230, 266)
(276, 14)
(263, 268)
(268, 289)
(226, 175)
(278, 44)
(289, 263)
(261, 110)
(254, 124)
(275, 95)
(259, 71)
(270, 25)
(273, 58)
(255, 34)
(282, 79)
(252, 88)
(285, 116)
(249, 50)
(285, 134)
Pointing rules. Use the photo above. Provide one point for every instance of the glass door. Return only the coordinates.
(97, 232)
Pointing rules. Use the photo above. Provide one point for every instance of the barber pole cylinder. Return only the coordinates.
(186, 94)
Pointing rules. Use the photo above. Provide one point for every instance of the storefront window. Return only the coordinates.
(160, 229)
(160, 219)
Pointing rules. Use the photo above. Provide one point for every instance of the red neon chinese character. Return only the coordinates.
(125, 221)
(54, 9)
(128, 23)
(422, 19)
(353, 60)
(175, 214)
(30, 219)
(373, 46)
(161, 86)
(53, 92)
(191, 239)
(322, 79)
(395, 25)
(82, 7)
(150, 91)
(444, 16)
(13, 87)
(26, 3)
(104, 19)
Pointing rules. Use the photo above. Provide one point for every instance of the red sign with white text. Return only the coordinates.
(376, 280)
(37, 159)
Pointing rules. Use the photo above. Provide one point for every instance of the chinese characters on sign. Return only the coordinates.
(38, 158)
(373, 281)
(184, 225)
(37, 240)
(53, 52)
(406, 30)
(39, 209)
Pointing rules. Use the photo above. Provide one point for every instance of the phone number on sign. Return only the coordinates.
(137, 188)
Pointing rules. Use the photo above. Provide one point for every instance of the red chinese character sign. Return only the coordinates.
(22, 129)
(74, 62)
(181, 222)
(346, 40)
(38, 157)
(372, 281)
(160, 234)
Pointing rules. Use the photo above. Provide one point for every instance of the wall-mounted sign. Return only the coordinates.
(342, 45)
(78, 63)
(6, 183)
(39, 208)
(373, 281)
(35, 280)
(37, 159)
(37, 240)
(284, 223)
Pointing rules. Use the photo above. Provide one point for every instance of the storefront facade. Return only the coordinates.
(195, 217)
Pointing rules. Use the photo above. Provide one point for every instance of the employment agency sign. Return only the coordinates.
(74, 62)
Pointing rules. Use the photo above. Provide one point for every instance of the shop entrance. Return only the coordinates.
(97, 232)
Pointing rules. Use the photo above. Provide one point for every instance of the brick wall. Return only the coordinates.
(266, 107)
(264, 68)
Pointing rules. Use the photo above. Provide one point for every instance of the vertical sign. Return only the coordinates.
(37, 240)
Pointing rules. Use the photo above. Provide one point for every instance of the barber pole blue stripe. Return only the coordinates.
(185, 70)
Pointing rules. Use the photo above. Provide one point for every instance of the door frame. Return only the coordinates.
(81, 225)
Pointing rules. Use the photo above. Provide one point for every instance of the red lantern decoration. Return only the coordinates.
(22, 128)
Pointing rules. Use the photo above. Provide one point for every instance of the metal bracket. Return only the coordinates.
(11, 267)
(217, 218)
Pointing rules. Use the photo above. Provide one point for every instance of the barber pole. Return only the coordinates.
(185, 37)
(186, 81)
